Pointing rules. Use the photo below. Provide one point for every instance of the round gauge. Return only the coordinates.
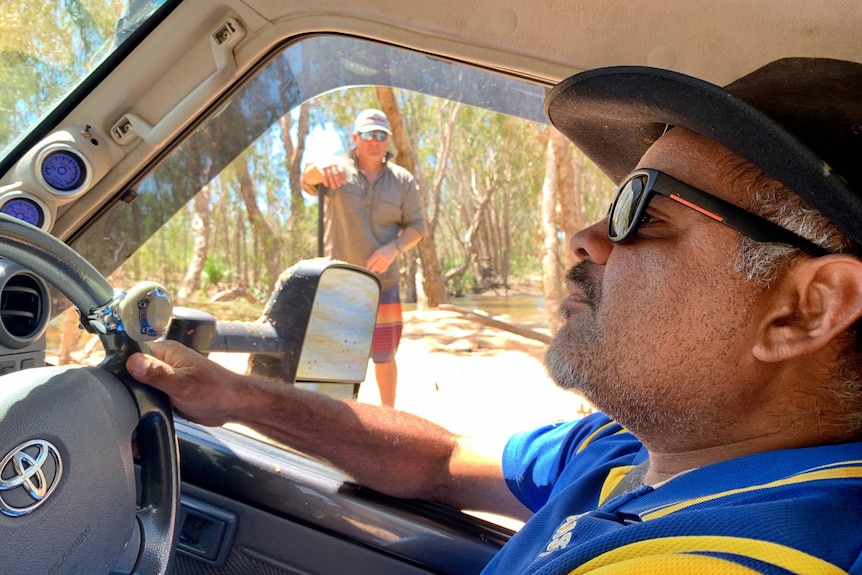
(25, 210)
(63, 170)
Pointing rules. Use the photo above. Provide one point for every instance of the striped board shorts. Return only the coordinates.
(387, 331)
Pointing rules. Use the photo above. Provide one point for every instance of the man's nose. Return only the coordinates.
(592, 243)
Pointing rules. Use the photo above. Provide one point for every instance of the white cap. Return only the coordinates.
(371, 120)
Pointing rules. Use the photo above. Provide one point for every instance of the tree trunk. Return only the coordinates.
(571, 190)
(470, 243)
(487, 319)
(556, 153)
(293, 153)
(200, 229)
(506, 241)
(432, 277)
(267, 238)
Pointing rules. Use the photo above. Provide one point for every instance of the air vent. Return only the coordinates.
(24, 309)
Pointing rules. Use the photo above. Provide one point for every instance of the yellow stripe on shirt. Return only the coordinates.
(688, 554)
(594, 434)
(818, 475)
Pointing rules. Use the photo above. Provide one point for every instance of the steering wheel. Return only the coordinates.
(68, 489)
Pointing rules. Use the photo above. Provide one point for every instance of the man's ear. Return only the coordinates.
(812, 304)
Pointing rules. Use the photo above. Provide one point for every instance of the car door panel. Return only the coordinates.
(296, 515)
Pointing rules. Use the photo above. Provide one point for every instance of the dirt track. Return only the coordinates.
(467, 376)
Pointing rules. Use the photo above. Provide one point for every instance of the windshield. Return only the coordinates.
(48, 48)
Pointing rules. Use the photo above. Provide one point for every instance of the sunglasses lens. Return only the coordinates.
(379, 136)
(625, 207)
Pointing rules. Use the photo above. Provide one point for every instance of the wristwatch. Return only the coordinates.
(399, 246)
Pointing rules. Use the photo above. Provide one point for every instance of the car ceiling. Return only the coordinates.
(716, 40)
(171, 78)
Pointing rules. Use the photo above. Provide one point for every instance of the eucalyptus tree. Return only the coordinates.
(34, 58)
(490, 203)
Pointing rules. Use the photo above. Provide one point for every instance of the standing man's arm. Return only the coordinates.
(412, 230)
(383, 257)
(330, 174)
(388, 450)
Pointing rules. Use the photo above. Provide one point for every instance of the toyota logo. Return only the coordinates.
(28, 476)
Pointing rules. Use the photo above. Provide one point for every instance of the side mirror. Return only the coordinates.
(316, 328)
(338, 303)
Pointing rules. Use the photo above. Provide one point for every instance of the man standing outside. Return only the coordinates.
(373, 213)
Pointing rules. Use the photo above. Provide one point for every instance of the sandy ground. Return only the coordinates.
(467, 376)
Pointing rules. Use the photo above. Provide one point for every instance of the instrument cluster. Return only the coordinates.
(54, 172)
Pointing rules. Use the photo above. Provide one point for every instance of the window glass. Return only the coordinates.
(224, 214)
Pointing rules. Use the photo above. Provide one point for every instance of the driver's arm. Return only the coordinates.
(392, 451)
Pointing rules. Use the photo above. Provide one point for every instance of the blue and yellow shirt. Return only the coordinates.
(775, 513)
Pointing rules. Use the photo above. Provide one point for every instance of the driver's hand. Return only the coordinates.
(200, 389)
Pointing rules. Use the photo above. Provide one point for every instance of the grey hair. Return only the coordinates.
(762, 263)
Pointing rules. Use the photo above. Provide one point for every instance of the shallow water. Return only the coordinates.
(519, 308)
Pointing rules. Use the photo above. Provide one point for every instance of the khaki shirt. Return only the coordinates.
(360, 218)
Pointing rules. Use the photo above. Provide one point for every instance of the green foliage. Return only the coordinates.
(36, 66)
(215, 272)
(525, 266)
(462, 285)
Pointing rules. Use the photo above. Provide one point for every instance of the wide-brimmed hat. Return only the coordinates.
(797, 119)
(371, 120)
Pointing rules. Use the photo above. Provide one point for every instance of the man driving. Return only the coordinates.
(712, 320)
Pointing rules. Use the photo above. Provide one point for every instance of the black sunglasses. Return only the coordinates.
(638, 189)
(379, 136)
